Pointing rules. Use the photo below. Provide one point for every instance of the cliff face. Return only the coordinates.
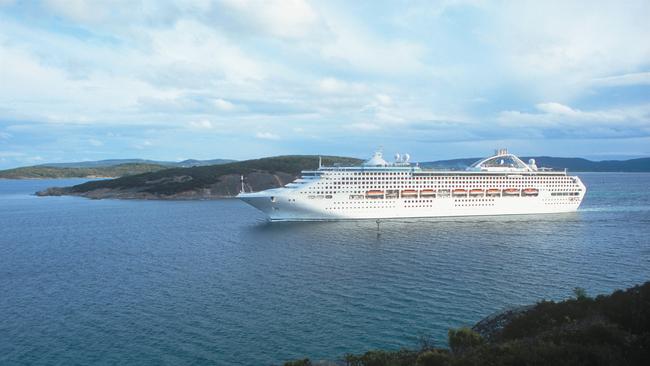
(205, 182)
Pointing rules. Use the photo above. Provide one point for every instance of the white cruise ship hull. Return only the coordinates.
(288, 208)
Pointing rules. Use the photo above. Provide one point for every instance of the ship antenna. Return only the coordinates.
(320, 161)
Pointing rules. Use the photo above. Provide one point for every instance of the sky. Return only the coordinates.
(171, 80)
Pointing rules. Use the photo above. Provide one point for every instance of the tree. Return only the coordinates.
(581, 293)
(463, 339)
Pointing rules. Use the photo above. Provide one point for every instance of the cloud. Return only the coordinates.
(267, 136)
(144, 144)
(95, 142)
(292, 19)
(632, 120)
(639, 78)
(349, 72)
(10, 154)
(560, 47)
(352, 45)
(223, 105)
(202, 124)
(364, 126)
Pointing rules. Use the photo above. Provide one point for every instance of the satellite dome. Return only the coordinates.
(406, 157)
(397, 156)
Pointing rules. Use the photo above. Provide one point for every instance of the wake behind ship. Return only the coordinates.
(498, 185)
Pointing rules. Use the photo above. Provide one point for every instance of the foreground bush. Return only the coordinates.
(606, 330)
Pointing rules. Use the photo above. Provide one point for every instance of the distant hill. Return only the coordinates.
(572, 164)
(203, 182)
(114, 162)
(101, 168)
(33, 172)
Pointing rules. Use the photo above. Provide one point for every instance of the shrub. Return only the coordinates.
(463, 339)
(402, 357)
(305, 362)
(581, 293)
(432, 358)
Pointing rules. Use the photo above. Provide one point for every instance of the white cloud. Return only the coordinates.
(267, 136)
(143, 144)
(337, 86)
(19, 157)
(95, 142)
(328, 68)
(10, 154)
(639, 78)
(363, 126)
(202, 124)
(558, 48)
(223, 105)
(353, 46)
(291, 19)
(556, 114)
(191, 49)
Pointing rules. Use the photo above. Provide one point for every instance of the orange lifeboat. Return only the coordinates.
(476, 192)
(375, 193)
(511, 192)
(530, 191)
(459, 192)
(427, 192)
(493, 192)
(409, 193)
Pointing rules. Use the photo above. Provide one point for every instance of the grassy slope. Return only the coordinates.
(204, 176)
(56, 172)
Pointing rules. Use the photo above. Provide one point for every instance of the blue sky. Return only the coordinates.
(91, 79)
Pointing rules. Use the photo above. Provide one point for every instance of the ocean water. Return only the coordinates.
(211, 282)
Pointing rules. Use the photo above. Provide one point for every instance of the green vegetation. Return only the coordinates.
(42, 171)
(177, 180)
(607, 330)
(305, 362)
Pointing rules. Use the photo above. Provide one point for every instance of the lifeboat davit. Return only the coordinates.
(476, 192)
(409, 193)
(427, 192)
(530, 191)
(511, 192)
(374, 193)
(493, 192)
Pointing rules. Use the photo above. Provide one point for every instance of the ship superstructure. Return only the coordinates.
(498, 185)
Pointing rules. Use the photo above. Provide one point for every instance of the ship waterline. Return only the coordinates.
(499, 185)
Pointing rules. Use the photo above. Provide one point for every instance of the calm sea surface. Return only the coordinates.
(210, 282)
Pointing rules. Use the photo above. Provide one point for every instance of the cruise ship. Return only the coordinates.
(501, 184)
